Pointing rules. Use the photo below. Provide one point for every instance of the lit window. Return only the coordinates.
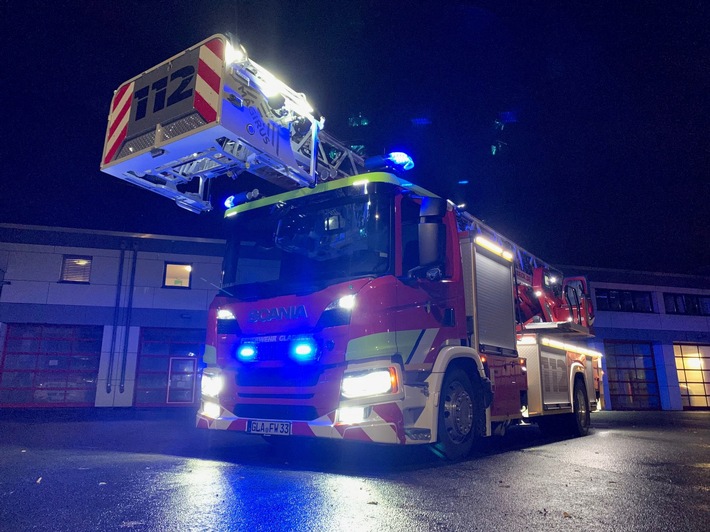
(177, 275)
(76, 269)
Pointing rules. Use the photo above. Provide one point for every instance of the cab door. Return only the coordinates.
(427, 299)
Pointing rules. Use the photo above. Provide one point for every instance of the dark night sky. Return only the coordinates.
(608, 164)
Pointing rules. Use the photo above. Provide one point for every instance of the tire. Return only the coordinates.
(569, 425)
(581, 418)
(460, 418)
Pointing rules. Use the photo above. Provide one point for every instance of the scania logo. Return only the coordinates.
(278, 313)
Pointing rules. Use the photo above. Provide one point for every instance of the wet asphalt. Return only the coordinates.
(151, 470)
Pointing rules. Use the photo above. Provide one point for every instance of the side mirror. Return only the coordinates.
(432, 235)
(432, 243)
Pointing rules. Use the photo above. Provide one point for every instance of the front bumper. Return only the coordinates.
(384, 424)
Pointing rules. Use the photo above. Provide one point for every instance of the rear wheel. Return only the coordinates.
(460, 415)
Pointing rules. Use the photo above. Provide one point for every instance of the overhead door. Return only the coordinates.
(631, 373)
(50, 365)
(693, 366)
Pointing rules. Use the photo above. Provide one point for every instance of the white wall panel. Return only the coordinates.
(25, 291)
(33, 266)
(81, 294)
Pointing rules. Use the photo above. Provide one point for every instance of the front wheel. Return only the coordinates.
(460, 414)
(581, 418)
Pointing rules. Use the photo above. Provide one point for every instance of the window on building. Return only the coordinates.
(76, 269)
(177, 275)
(689, 304)
(693, 365)
(624, 300)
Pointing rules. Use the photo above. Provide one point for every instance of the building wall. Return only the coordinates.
(629, 332)
(52, 355)
(125, 296)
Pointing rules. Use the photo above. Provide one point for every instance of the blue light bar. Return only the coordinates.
(395, 161)
(401, 159)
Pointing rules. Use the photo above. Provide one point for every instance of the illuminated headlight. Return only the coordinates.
(210, 409)
(225, 314)
(345, 302)
(227, 322)
(303, 350)
(353, 414)
(212, 384)
(338, 312)
(246, 352)
(375, 382)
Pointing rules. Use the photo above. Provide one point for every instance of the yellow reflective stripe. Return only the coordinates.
(372, 345)
(374, 177)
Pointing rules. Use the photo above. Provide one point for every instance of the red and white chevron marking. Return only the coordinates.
(118, 120)
(386, 425)
(209, 79)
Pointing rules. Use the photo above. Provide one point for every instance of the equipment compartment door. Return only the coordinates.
(555, 380)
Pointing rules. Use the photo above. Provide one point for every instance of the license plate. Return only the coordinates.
(275, 428)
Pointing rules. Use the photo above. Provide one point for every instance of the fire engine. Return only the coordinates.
(355, 305)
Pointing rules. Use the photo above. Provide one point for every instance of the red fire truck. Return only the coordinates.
(355, 305)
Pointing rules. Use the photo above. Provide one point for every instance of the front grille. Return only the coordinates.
(295, 412)
(290, 376)
(276, 350)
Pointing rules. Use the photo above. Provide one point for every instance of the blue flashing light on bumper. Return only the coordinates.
(303, 350)
(246, 352)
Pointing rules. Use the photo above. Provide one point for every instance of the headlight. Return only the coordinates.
(375, 382)
(211, 384)
(225, 314)
(227, 322)
(338, 312)
(210, 409)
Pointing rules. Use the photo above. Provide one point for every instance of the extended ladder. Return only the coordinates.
(211, 111)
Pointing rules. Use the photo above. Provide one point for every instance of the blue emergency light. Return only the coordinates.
(303, 350)
(396, 161)
(242, 197)
(246, 352)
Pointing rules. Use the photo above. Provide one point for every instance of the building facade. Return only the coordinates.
(107, 319)
(96, 318)
(654, 331)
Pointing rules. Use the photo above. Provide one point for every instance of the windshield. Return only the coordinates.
(308, 243)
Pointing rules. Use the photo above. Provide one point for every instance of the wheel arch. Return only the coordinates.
(577, 372)
(470, 361)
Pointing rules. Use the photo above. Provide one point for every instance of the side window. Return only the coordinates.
(76, 269)
(410, 234)
(177, 275)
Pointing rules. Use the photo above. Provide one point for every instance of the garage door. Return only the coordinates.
(631, 373)
(50, 365)
(693, 365)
